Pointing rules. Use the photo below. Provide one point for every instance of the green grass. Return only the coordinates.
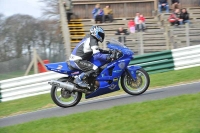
(13, 74)
(172, 115)
(44, 101)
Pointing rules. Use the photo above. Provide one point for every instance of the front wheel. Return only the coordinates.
(138, 86)
(63, 97)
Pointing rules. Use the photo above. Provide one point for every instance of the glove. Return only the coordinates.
(105, 51)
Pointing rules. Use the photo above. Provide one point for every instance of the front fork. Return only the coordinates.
(131, 71)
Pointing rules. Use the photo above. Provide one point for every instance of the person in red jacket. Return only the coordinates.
(174, 18)
(142, 22)
(131, 25)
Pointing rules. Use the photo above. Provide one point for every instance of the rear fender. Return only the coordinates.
(131, 70)
(60, 67)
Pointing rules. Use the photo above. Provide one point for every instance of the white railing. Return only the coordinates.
(26, 86)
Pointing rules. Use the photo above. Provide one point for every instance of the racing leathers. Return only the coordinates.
(81, 55)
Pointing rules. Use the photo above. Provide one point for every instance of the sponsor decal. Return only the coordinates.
(59, 67)
(117, 71)
(121, 65)
(115, 79)
(55, 70)
(75, 73)
(112, 86)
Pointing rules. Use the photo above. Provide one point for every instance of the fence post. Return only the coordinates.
(187, 34)
(141, 43)
(167, 37)
(65, 30)
(35, 61)
(172, 39)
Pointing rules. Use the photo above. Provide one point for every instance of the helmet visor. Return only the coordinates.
(102, 35)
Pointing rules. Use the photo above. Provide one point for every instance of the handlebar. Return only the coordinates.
(115, 54)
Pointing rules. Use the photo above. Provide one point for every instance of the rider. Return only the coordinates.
(83, 52)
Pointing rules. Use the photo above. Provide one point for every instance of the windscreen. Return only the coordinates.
(115, 42)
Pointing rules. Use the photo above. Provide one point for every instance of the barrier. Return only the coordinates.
(36, 84)
(26, 86)
(169, 60)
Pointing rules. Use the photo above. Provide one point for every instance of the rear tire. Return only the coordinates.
(134, 88)
(76, 95)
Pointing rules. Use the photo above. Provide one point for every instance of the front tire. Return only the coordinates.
(64, 98)
(138, 86)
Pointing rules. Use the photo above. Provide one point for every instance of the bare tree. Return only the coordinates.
(51, 8)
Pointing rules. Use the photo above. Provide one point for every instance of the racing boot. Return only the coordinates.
(79, 80)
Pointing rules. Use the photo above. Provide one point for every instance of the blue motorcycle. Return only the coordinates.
(112, 76)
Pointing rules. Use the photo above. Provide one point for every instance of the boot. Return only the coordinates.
(78, 80)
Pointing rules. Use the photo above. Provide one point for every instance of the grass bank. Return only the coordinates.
(44, 101)
(172, 115)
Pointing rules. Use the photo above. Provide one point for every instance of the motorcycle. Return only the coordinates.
(112, 76)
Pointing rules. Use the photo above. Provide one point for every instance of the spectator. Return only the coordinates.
(175, 4)
(108, 14)
(137, 21)
(174, 18)
(163, 4)
(142, 22)
(131, 25)
(184, 17)
(68, 7)
(97, 13)
(122, 32)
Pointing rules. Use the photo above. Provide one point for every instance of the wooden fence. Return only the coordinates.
(123, 8)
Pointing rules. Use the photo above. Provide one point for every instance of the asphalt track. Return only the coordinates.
(103, 103)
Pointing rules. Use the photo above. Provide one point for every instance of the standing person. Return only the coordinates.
(97, 13)
(108, 13)
(174, 18)
(68, 7)
(137, 21)
(142, 22)
(184, 16)
(176, 4)
(163, 4)
(131, 26)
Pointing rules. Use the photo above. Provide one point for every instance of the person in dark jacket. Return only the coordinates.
(184, 16)
(163, 4)
(122, 32)
(176, 4)
(83, 52)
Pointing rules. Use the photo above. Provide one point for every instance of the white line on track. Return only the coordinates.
(104, 99)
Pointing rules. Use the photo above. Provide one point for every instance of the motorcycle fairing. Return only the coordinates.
(62, 67)
(109, 78)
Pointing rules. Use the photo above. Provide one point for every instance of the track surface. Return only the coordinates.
(102, 103)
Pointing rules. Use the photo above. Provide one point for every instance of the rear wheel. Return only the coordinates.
(63, 97)
(138, 86)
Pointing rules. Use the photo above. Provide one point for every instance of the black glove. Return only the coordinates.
(105, 51)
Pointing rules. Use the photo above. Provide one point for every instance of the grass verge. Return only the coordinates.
(13, 74)
(172, 115)
(44, 101)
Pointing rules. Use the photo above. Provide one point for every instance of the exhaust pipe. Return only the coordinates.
(67, 85)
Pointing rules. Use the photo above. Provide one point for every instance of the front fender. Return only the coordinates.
(131, 70)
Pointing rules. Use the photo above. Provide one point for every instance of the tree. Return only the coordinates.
(51, 8)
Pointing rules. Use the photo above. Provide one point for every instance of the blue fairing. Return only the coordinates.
(109, 77)
(62, 67)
